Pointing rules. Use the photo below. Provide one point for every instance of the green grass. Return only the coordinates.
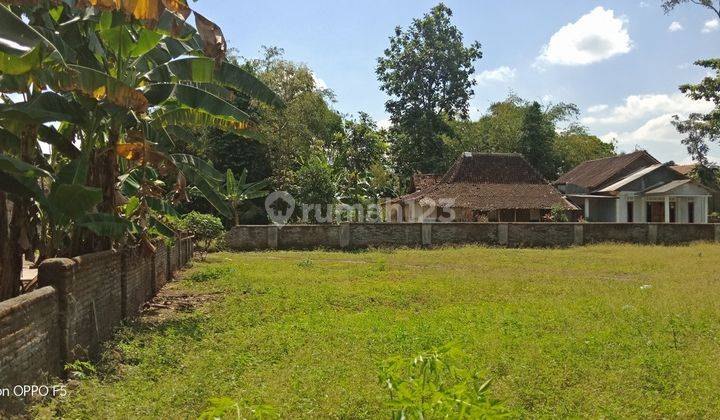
(611, 331)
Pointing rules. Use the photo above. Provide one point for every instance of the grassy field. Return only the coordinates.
(611, 330)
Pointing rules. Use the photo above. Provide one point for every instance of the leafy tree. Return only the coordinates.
(575, 146)
(427, 72)
(503, 130)
(361, 146)
(536, 140)
(205, 228)
(307, 126)
(317, 184)
(702, 129)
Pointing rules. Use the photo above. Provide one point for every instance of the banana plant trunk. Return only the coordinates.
(10, 250)
(103, 173)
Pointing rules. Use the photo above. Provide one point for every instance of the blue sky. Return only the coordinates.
(619, 61)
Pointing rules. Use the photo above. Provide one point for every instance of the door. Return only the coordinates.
(655, 212)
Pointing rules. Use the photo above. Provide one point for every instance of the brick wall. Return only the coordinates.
(79, 304)
(363, 235)
(137, 284)
(90, 293)
(162, 270)
(29, 341)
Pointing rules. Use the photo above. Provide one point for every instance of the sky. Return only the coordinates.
(620, 61)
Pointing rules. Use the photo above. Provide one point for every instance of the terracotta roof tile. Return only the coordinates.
(488, 182)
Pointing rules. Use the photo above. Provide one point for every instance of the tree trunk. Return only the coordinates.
(103, 174)
(10, 250)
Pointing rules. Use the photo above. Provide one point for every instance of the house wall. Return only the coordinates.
(364, 235)
(602, 210)
(79, 304)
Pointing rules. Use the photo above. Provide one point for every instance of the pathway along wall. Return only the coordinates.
(79, 303)
(363, 235)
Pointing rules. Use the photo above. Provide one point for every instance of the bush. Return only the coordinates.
(205, 227)
(434, 385)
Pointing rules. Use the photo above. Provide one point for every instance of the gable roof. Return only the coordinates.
(493, 181)
(672, 185)
(593, 174)
(634, 176)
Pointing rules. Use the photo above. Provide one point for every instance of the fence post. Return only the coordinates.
(503, 233)
(345, 235)
(272, 235)
(427, 234)
(579, 234)
(652, 234)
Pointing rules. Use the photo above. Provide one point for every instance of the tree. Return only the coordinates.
(536, 139)
(205, 228)
(427, 72)
(317, 184)
(305, 127)
(501, 130)
(670, 5)
(702, 129)
(239, 191)
(575, 146)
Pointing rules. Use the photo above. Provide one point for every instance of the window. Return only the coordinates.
(691, 212)
(630, 212)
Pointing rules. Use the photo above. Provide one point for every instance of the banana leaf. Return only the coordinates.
(195, 98)
(105, 224)
(22, 48)
(195, 118)
(42, 108)
(205, 70)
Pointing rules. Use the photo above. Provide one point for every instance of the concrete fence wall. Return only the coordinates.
(363, 235)
(79, 303)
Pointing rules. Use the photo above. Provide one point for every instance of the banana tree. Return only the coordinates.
(239, 191)
(101, 77)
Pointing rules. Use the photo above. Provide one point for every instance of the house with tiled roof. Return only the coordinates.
(491, 187)
(635, 187)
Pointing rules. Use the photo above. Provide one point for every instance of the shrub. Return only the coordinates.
(433, 385)
(205, 228)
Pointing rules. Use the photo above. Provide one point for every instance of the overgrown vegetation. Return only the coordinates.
(598, 331)
(205, 228)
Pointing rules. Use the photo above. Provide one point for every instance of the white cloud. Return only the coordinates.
(657, 135)
(595, 37)
(499, 75)
(644, 4)
(319, 83)
(597, 108)
(640, 106)
(711, 26)
(675, 26)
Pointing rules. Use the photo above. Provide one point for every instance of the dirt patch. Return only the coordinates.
(171, 301)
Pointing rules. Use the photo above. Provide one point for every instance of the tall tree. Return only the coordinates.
(536, 139)
(427, 72)
(702, 129)
(304, 128)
